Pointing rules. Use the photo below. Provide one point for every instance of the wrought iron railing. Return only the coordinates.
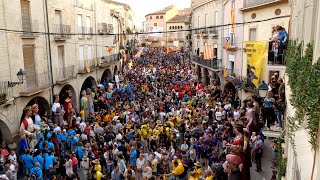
(3, 91)
(62, 31)
(35, 80)
(89, 30)
(214, 63)
(29, 27)
(88, 65)
(81, 31)
(65, 73)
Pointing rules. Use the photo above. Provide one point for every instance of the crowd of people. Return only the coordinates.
(159, 122)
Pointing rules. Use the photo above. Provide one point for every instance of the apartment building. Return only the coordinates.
(207, 13)
(260, 17)
(177, 29)
(156, 22)
(78, 52)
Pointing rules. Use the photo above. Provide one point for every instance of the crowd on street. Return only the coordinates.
(159, 121)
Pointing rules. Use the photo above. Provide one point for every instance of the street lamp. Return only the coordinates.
(21, 76)
(263, 89)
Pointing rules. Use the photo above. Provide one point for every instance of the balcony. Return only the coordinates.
(249, 5)
(87, 66)
(64, 74)
(89, 31)
(3, 91)
(62, 32)
(107, 60)
(81, 32)
(35, 83)
(232, 43)
(29, 28)
(211, 64)
(205, 33)
(213, 32)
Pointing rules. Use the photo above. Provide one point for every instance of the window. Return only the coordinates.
(57, 17)
(252, 34)
(205, 20)
(150, 17)
(170, 27)
(155, 24)
(216, 18)
(233, 4)
(175, 27)
(61, 56)
(157, 17)
(161, 17)
(88, 24)
(80, 29)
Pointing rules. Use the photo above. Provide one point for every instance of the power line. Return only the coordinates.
(142, 33)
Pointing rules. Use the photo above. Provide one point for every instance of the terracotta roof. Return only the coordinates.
(163, 11)
(181, 18)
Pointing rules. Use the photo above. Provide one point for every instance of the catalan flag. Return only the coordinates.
(208, 52)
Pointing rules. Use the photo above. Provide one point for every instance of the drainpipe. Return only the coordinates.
(96, 37)
(48, 46)
(221, 44)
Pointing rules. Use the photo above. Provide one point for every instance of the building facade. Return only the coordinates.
(76, 55)
(232, 55)
(157, 22)
(177, 29)
(207, 13)
(304, 28)
(260, 17)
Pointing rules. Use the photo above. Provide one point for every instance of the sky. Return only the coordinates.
(143, 7)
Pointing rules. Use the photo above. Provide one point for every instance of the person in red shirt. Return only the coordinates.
(74, 162)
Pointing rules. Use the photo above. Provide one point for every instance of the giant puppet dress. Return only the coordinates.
(69, 111)
(27, 127)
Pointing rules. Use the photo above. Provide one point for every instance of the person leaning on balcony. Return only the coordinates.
(283, 36)
(268, 106)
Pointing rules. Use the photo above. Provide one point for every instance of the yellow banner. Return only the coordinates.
(257, 53)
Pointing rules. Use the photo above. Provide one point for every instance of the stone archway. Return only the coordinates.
(5, 134)
(64, 94)
(43, 105)
(89, 82)
(106, 76)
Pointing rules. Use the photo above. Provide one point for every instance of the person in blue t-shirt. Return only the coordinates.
(79, 150)
(36, 172)
(50, 144)
(39, 159)
(71, 132)
(282, 35)
(49, 160)
(133, 157)
(62, 138)
(27, 162)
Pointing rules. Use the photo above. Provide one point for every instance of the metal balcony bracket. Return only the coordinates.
(13, 84)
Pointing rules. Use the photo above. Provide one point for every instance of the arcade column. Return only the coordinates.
(203, 75)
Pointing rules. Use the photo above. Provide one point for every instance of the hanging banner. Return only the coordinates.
(155, 31)
(257, 53)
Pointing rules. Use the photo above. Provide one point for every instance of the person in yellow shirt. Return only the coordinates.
(97, 165)
(177, 168)
(106, 118)
(193, 175)
(198, 170)
(82, 114)
(97, 175)
(208, 175)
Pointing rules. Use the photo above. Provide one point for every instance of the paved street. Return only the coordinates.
(266, 173)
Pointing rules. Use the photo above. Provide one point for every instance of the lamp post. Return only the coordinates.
(21, 76)
(263, 89)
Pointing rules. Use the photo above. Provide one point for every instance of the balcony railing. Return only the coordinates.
(81, 31)
(62, 31)
(232, 44)
(65, 73)
(3, 91)
(30, 27)
(89, 65)
(214, 64)
(252, 3)
(89, 30)
(35, 82)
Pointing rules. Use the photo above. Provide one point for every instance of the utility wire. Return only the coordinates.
(141, 33)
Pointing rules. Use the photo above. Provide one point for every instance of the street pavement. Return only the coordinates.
(266, 164)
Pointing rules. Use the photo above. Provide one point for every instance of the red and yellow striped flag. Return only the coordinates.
(208, 52)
